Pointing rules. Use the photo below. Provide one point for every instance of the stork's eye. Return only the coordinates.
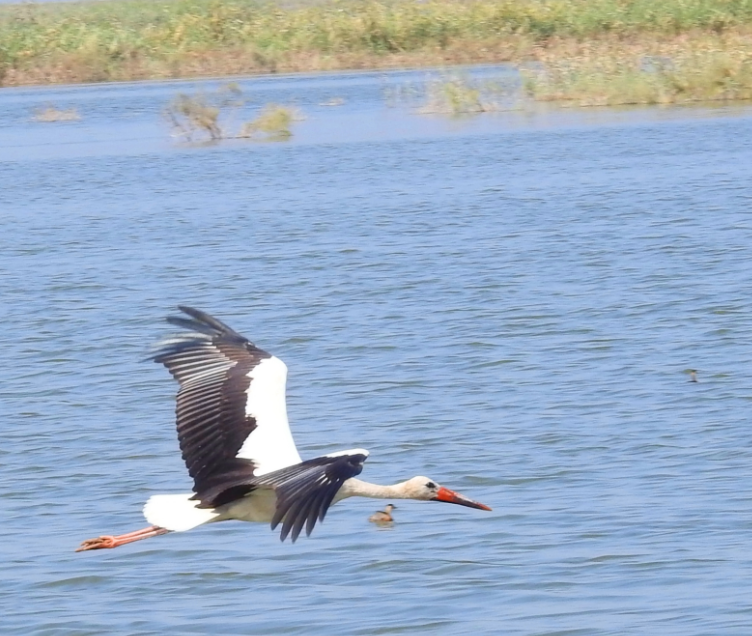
(431, 485)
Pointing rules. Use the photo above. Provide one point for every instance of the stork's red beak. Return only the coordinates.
(450, 496)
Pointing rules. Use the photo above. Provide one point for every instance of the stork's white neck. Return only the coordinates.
(357, 488)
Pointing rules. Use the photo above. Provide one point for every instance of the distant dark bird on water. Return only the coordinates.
(236, 442)
(692, 375)
(383, 516)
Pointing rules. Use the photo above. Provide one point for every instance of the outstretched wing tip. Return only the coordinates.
(306, 491)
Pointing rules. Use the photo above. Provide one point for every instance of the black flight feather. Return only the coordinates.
(211, 362)
(306, 490)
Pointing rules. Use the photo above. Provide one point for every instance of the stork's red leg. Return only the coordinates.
(107, 541)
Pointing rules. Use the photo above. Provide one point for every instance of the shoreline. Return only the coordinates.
(229, 64)
(578, 52)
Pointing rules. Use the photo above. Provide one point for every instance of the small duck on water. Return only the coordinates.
(383, 516)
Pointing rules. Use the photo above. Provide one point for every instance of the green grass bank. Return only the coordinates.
(573, 40)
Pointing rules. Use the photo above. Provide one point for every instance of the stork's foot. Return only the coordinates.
(97, 544)
(107, 541)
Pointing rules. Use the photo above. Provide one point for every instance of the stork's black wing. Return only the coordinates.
(216, 416)
(306, 490)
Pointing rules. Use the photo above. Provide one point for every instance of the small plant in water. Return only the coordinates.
(458, 95)
(199, 114)
(191, 114)
(52, 114)
(211, 115)
(273, 122)
(454, 96)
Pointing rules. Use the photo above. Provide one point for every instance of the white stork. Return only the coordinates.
(236, 442)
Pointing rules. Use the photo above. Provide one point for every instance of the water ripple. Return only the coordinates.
(509, 309)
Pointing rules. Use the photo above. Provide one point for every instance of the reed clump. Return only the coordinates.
(272, 123)
(455, 96)
(600, 73)
(459, 94)
(137, 39)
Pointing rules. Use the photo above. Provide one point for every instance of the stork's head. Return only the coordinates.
(426, 489)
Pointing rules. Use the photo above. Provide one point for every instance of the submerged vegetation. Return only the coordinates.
(51, 114)
(583, 51)
(198, 115)
(211, 116)
(458, 94)
(454, 96)
(272, 123)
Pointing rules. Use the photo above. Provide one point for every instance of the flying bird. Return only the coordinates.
(236, 442)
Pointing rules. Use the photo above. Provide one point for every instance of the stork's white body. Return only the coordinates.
(179, 513)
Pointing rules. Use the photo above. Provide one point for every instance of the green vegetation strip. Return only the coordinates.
(138, 39)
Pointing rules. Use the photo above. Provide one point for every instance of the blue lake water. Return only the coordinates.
(508, 304)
